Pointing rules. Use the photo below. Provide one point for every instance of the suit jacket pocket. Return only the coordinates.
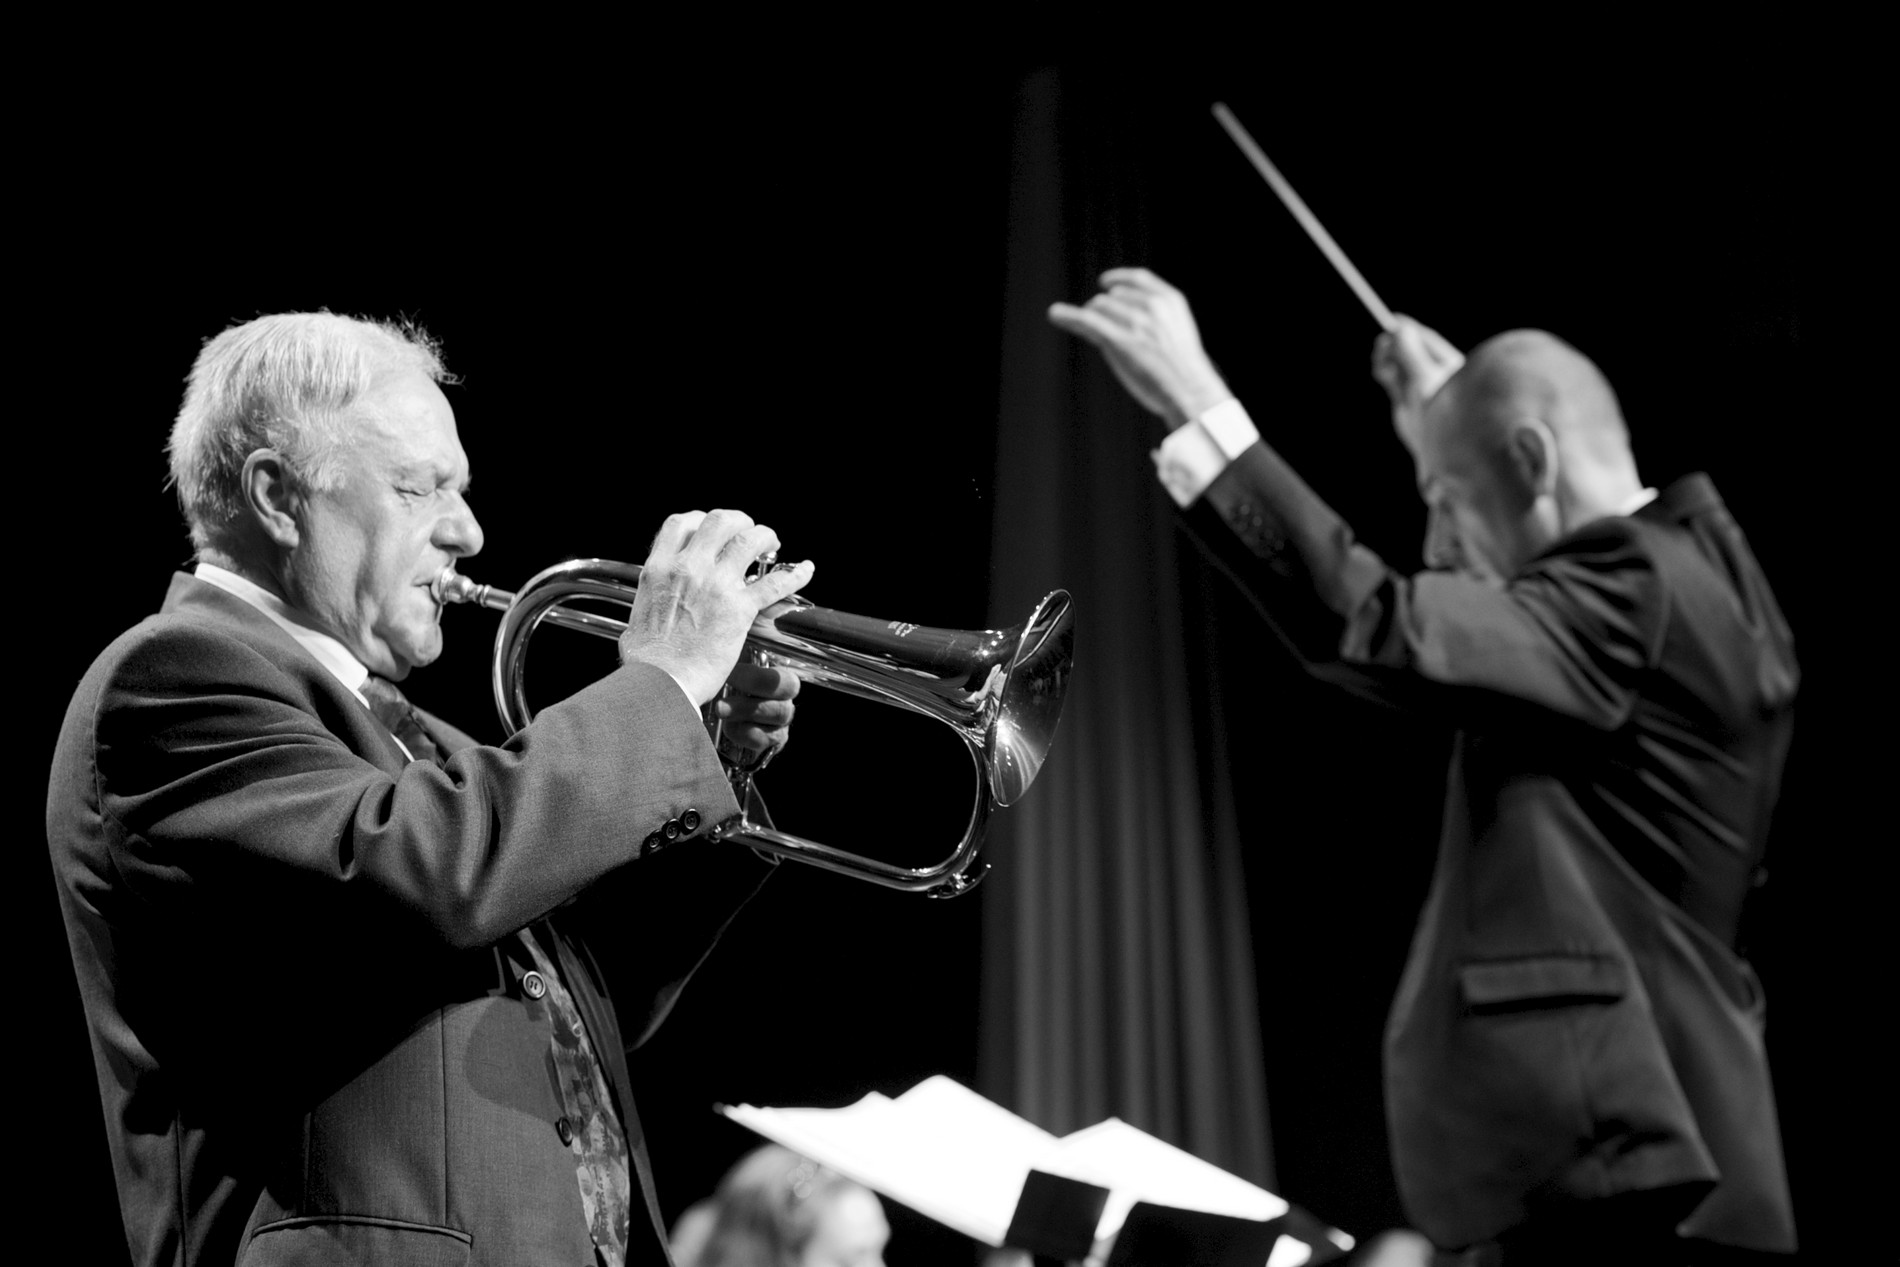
(344, 1240)
(1541, 981)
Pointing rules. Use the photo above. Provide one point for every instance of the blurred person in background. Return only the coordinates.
(775, 1208)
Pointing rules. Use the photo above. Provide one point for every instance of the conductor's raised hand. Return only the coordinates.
(1147, 334)
(1412, 361)
(695, 604)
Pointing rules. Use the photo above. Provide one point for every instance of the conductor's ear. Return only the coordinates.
(1534, 456)
(270, 496)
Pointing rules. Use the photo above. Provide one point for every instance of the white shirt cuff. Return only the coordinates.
(683, 691)
(1194, 456)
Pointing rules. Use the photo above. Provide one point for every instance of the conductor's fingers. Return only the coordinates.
(1129, 298)
(1411, 346)
(1385, 353)
(1120, 309)
(1087, 323)
(1140, 278)
(1443, 349)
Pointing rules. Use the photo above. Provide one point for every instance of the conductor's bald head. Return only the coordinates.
(1528, 374)
(1525, 443)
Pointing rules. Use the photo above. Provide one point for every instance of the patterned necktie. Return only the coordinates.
(394, 711)
(588, 1125)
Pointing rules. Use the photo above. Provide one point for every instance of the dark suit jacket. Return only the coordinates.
(1573, 1021)
(296, 955)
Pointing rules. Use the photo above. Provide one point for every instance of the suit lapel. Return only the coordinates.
(333, 703)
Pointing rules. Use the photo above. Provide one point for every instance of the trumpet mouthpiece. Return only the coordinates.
(452, 587)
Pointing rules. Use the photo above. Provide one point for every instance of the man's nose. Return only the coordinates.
(459, 533)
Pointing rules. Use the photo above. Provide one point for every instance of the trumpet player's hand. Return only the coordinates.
(1412, 361)
(694, 606)
(756, 709)
(1147, 334)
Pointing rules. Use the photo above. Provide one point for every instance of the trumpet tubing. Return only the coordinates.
(1001, 691)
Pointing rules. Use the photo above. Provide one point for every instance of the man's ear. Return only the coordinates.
(270, 497)
(1534, 456)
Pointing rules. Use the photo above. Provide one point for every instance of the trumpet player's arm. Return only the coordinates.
(230, 773)
(645, 928)
(649, 927)
(1571, 634)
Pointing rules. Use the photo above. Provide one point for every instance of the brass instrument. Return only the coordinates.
(1000, 690)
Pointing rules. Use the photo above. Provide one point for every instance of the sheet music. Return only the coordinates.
(960, 1159)
(939, 1148)
(1135, 1166)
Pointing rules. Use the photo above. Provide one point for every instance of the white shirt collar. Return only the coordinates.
(1637, 501)
(330, 653)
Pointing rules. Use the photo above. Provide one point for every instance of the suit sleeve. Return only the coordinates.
(647, 929)
(1572, 635)
(222, 789)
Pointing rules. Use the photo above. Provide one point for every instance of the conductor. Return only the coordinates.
(1574, 1062)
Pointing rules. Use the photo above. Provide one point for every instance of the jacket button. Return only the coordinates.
(564, 1129)
(533, 985)
(653, 841)
(690, 820)
(672, 830)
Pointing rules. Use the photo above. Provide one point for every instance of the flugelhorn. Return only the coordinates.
(1000, 690)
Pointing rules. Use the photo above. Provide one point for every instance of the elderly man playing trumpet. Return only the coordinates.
(1574, 1064)
(359, 988)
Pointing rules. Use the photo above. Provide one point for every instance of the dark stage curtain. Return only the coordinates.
(1118, 970)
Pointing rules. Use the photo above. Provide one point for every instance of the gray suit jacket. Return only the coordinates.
(1574, 1021)
(295, 947)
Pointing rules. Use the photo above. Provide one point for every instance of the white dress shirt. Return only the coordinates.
(330, 653)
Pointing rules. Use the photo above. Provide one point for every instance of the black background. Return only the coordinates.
(689, 278)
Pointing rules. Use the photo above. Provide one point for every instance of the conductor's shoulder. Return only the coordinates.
(1614, 551)
(1603, 585)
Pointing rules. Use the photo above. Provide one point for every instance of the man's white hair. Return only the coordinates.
(292, 382)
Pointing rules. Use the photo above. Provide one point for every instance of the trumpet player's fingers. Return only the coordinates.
(754, 738)
(744, 548)
(716, 528)
(750, 710)
(761, 681)
(675, 531)
(780, 583)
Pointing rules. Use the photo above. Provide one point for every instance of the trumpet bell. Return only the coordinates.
(1030, 703)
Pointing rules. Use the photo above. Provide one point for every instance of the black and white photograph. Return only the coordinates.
(983, 642)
